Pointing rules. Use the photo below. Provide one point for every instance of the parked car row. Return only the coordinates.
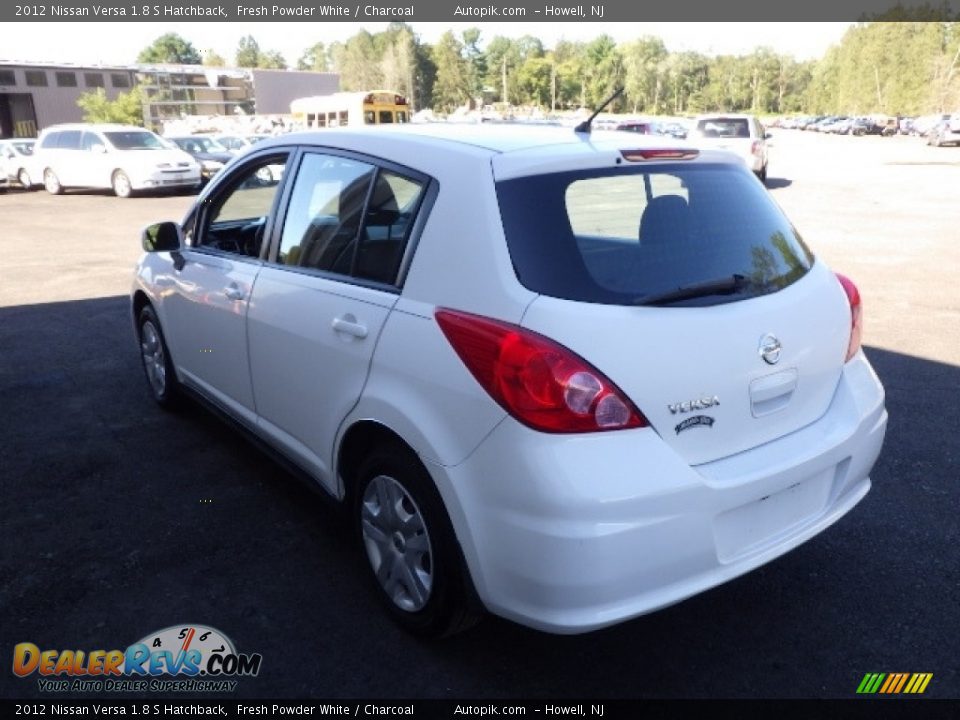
(843, 124)
(122, 158)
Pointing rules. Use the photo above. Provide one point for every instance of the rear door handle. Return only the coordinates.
(348, 325)
(233, 292)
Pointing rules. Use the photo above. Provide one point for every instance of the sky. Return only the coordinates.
(119, 43)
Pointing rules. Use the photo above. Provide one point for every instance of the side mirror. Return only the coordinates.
(98, 148)
(767, 136)
(162, 237)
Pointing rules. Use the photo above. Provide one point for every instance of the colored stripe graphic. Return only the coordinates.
(894, 683)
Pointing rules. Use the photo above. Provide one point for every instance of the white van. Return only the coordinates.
(122, 157)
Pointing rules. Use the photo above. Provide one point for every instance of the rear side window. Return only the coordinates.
(628, 235)
(349, 217)
(50, 140)
(63, 140)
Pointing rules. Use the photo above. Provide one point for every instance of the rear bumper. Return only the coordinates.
(572, 533)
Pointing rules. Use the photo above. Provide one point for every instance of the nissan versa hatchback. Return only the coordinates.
(567, 378)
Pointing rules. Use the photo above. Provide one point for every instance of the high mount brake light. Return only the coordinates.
(538, 381)
(659, 154)
(856, 315)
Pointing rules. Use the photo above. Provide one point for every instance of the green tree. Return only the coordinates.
(603, 73)
(358, 62)
(567, 84)
(127, 109)
(170, 48)
(644, 73)
(248, 52)
(452, 86)
(212, 59)
(315, 58)
(272, 60)
(398, 59)
(476, 61)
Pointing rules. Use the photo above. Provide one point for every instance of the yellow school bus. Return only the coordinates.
(371, 107)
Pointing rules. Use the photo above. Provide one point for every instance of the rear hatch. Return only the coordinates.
(687, 287)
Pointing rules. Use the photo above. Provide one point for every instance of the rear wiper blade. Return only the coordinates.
(721, 286)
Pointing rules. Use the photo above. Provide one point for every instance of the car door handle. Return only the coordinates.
(233, 292)
(348, 324)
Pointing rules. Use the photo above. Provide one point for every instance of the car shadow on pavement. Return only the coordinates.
(119, 519)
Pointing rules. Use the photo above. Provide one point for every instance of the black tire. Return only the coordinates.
(51, 182)
(762, 175)
(165, 389)
(23, 177)
(447, 606)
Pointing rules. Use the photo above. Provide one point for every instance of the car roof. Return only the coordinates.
(494, 139)
(731, 116)
(95, 126)
(513, 149)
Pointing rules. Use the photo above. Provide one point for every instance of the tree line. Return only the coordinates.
(905, 67)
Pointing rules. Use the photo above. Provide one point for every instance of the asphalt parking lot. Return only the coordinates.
(118, 519)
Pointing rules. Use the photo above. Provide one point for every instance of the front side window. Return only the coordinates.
(629, 235)
(350, 218)
(236, 219)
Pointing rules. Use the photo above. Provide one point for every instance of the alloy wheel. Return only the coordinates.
(397, 543)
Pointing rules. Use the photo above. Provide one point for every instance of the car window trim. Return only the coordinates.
(378, 164)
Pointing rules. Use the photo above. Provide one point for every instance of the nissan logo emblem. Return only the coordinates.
(770, 349)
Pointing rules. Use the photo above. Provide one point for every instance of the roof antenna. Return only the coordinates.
(584, 127)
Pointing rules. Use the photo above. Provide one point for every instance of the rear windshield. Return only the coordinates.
(631, 236)
(725, 127)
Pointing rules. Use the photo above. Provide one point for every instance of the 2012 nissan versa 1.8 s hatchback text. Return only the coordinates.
(568, 378)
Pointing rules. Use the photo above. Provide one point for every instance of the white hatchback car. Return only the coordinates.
(124, 158)
(742, 135)
(568, 378)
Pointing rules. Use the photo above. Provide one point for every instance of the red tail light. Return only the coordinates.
(756, 148)
(660, 154)
(856, 315)
(539, 382)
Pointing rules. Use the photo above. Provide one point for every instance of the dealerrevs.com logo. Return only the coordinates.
(181, 658)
